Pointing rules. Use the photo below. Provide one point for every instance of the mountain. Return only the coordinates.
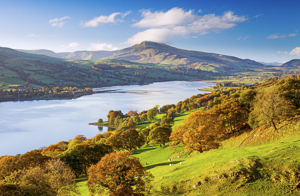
(22, 70)
(78, 55)
(159, 53)
(152, 52)
(292, 63)
(85, 55)
(272, 64)
(49, 53)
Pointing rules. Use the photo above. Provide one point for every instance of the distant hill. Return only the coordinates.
(85, 55)
(78, 55)
(152, 52)
(271, 64)
(158, 53)
(21, 70)
(292, 63)
(49, 53)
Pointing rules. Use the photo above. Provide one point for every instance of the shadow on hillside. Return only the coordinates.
(82, 178)
(141, 150)
(161, 164)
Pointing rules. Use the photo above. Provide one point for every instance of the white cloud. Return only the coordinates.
(59, 22)
(105, 19)
(295, 51)
(174, 16)
(212, 23)
(126, 13)
(242, 38)
(33, 35)
(275, 36)
(282, 52)
(155, 35)
(71, 45)
(102, 46)
(177, 22)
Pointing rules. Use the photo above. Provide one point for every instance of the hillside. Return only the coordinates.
(258, 161)
(158, 53)
(22, 70)
(295, 63)
(77, 55)
(151, 52)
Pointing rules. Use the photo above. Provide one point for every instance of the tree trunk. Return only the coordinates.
(273, 124)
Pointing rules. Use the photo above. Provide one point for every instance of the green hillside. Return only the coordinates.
(19, 69)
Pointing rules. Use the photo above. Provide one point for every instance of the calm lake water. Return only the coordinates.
(29, 125)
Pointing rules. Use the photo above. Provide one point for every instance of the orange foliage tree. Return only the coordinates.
(203, 130)
(118, 174)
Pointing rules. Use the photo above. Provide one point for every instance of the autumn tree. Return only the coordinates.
(129, 139)
(119, 174)
(269, 107)
(54, 179)
(144, 116)
(9, 164)
(81, 155)
(199, 132)
(160, 135)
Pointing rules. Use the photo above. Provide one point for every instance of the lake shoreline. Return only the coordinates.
(94, 92)
(97, 124)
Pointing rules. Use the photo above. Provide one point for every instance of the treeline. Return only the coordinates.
(23, 93)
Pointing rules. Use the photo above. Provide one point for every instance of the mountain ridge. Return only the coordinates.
(160, 53)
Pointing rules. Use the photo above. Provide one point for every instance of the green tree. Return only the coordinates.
(269, 107)
(150, 115)
(160, 135)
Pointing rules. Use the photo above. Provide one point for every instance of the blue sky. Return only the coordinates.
(262, 30)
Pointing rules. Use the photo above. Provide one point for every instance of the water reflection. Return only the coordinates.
(100, 128)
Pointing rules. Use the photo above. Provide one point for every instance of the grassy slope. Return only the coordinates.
(267, 153)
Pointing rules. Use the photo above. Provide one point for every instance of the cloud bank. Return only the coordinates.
(95, 22)
(102, 46)
(178, 22)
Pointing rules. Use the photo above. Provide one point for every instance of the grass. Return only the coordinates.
(266, 164)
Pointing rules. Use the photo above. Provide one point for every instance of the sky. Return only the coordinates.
(261, 30)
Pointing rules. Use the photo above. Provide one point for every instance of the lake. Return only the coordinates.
(28, 125)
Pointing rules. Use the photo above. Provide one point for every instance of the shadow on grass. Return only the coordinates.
(141, 150)
(161, 164)
(82, 178)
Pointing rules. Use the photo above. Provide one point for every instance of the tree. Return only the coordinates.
(131, 139)
(136, 119)
(9, 164)
(144, 116)
(246, 98)
(160, 135)
(150, 114)
(61, 177)
(100, 121)
(55, 179)
(200, 131)
(269, 107)
(118, 175)
(82, 155)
